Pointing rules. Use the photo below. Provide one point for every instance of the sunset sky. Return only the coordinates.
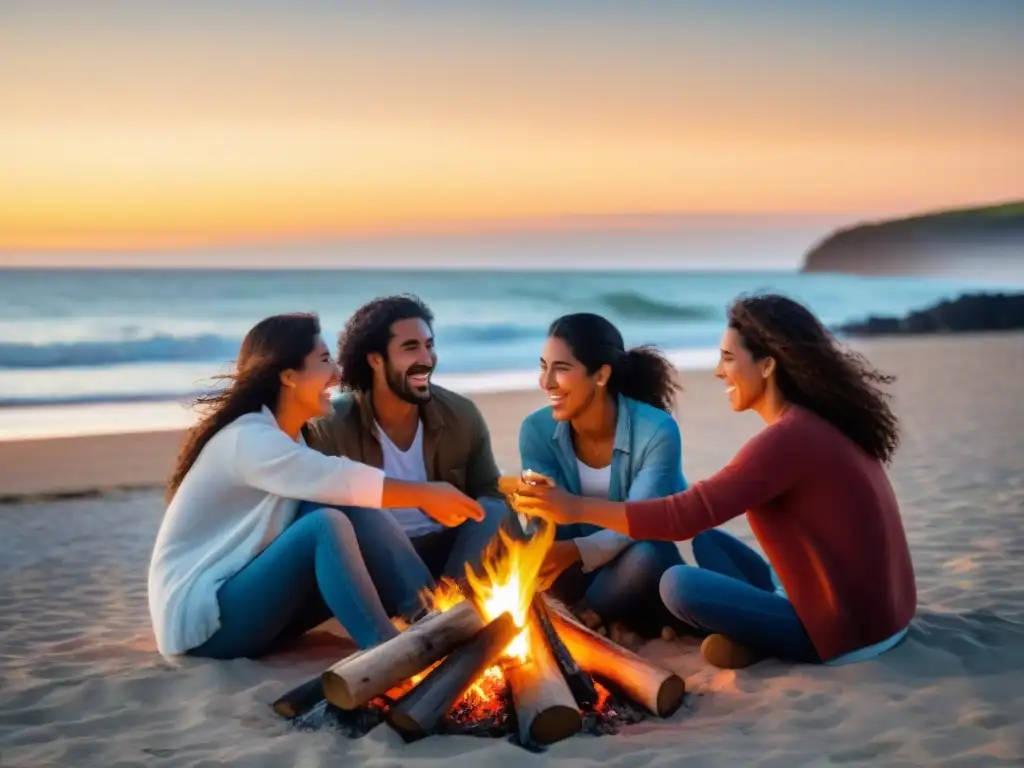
(138, 124)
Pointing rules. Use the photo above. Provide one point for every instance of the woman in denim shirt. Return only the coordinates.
(608, 433)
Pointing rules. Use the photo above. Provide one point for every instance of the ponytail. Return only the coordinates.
(645, 374)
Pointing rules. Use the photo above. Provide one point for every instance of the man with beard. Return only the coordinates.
(391, 416)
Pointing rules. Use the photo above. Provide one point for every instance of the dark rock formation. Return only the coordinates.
(970, 312)
(975, 241)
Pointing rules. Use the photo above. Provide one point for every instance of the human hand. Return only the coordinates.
(562, 555)
(547, 502)
(448, 505)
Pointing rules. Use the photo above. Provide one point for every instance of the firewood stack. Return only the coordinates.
(550, 691)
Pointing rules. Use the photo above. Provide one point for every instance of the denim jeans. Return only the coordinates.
(311, 571)
(625, 589)
(401, 568)
(732, 592)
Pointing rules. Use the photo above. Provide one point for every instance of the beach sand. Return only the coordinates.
(82, 684)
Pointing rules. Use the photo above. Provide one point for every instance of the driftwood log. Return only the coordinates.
(655, 688)
(354, 681)
(546, 710)
(300, 699)
(579, 682)
(418, 712)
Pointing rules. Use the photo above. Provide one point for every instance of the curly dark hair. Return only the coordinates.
(369, 331)
(275, 344)
(812, 370)
(641, 373)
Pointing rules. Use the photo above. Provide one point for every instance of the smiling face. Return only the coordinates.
(570, 388)
(410, 361)
(746, 379)
(310, 387)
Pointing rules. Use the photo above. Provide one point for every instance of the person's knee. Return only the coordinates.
(308, 507)
(650, 559)
(331, 523)
(680, 589)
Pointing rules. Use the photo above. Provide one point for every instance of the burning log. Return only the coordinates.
(419, 711)
(579, 682)
(354, 681)
(546, 709)
(657, 689)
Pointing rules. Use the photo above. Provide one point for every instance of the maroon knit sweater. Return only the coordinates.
(825, 515)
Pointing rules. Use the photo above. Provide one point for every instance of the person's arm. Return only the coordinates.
(660, 475)
(266, 458)
(768, 465)
(481, 471)
(772, 462)
(535, 453)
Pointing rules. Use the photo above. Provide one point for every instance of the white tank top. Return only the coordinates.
(594, 482)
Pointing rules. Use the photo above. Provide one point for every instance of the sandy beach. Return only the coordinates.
(81, 683)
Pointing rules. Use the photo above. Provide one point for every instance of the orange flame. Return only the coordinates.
(509, 582)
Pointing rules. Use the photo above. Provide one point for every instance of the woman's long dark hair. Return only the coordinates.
(275, 344)
(812, 370)
(641, 373)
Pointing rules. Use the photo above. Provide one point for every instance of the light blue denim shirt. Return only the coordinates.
(646, 464)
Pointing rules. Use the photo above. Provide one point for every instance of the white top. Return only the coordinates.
(240, 493)
(407, 465)
(600, 547)
(594, 483)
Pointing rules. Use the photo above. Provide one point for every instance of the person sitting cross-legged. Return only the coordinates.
(390, 415)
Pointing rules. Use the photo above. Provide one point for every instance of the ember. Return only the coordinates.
(491, 658)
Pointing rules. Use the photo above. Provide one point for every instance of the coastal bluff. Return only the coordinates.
(985, 242)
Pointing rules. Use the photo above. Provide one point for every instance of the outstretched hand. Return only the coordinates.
(448, 505)
(547, 502)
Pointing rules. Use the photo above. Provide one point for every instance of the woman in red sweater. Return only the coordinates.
(813, 486)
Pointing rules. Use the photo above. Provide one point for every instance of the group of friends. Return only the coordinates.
(289, 504)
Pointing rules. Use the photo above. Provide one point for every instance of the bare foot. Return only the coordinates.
(668, 634)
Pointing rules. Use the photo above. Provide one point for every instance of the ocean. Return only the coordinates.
(112, 336)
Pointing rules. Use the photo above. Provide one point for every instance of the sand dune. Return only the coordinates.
(81, 683)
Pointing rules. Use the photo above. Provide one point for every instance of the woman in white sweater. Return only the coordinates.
(233, 572)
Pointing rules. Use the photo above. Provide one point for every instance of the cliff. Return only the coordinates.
(978, 242)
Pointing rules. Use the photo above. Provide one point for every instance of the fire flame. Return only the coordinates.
(509, 581)
(507, 585)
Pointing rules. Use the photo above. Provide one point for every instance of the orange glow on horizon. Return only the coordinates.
(177, 126)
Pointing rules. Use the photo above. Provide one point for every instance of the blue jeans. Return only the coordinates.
(732, 592)
(623, 590)
(401, 568)
(313, 570)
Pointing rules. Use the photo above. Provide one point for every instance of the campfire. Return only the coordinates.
(492, 657)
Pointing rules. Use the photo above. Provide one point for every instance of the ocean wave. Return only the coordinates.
(167, 348)
(466, 382)
(489, 333)
(159, 348)
(636, 306)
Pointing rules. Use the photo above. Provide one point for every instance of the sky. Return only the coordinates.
(135, 125)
